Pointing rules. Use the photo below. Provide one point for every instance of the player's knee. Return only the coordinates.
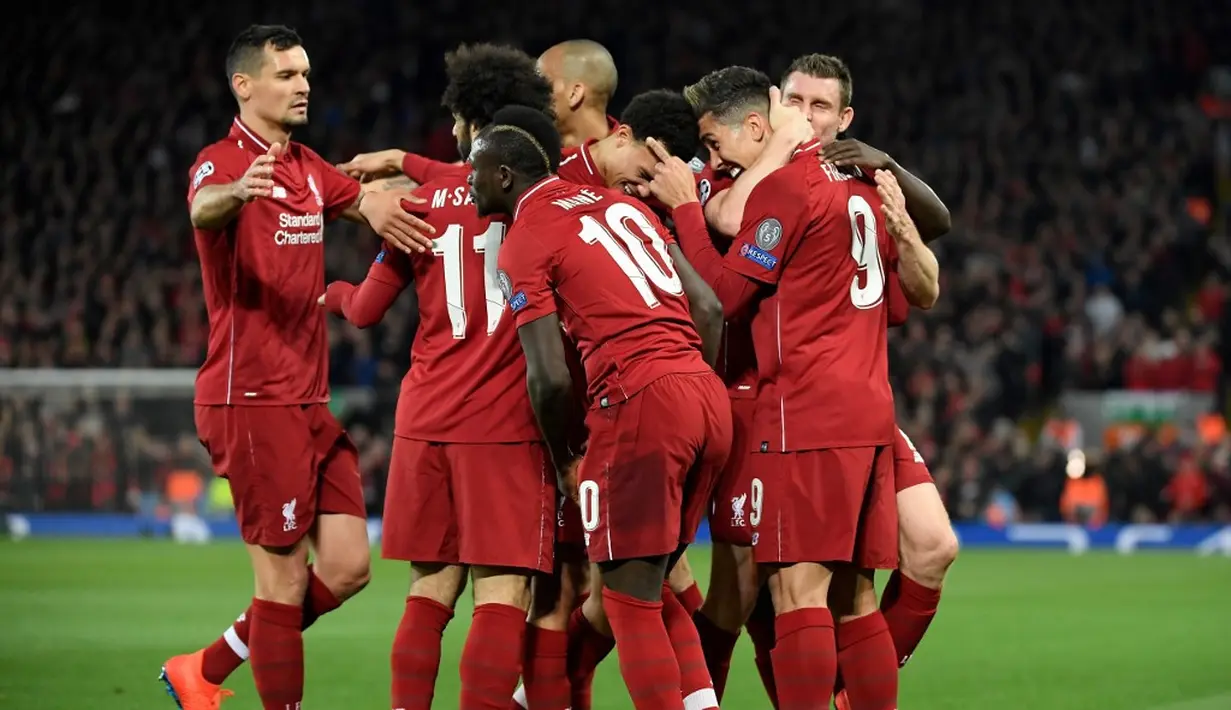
(281, 575)
(640, 579)
(733, 590)
(596, 615)
(680, 577)
(439, 582)
(927, 555)
(348, 576)
(501, 586)
(852, 594)
(800, 586)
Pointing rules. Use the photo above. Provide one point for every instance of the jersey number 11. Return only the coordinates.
(449, 248)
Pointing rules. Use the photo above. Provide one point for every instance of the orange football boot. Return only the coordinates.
(188, 687)
(840, 701)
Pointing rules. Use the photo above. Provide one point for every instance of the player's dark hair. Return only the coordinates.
(485, 77)
(730, 94)
(665, 115)
(247, 51)
(524, 139)
(824, 66)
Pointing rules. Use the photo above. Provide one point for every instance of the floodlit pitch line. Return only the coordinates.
(1213, 702)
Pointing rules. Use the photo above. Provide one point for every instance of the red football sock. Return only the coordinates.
(695, 683)
(869, 666)
(491, 659)
(586, 649)
(647, 661)
(760, 626)
(230, 650)
(277, 654)
(545, 669)
(718, 645)
(416, 653)
(908, 608)
(691, 599)
(805, 659)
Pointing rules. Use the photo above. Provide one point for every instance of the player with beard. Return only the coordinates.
(258, 203)
(465, 432)
(648, 364)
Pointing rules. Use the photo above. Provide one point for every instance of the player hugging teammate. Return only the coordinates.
(552, 240)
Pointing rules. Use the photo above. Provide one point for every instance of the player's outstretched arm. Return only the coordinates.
(924, 205)
(214, 206)
(703, 304)
(396, 182)
(364, 306)
(386, 212)
(550, 386)
(918, 268)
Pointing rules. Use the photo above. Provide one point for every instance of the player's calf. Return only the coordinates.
(632, 598)
(491, 659)
(276, 633)
(865, 649)
(415, 661)
(731, 596)
(545, 660)
(805, 653)
(684, 585)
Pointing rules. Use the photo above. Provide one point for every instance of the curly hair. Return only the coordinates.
(485, 77)
(665, 115)
(730, 94)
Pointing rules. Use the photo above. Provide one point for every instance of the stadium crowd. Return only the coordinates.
(1079, 152)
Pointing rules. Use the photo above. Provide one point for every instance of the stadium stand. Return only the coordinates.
(1085, 153)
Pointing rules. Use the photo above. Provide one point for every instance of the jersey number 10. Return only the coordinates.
(449, 249)
(632, 257)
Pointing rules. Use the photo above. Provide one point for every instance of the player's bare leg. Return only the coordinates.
(684, 585)
(805, 653)
(276, 634)
(632, 598)
(729, 601)
(491, 658)
(415, 661)
(927, 547)
(865, 648)
(341, 569)
(545, 663)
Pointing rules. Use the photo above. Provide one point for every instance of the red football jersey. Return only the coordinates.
(263, 273)
(599, 259)
(814, 232)
(737, 360)
(577, 166)
(467, 377)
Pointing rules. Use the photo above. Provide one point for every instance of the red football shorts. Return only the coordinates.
(734, 496)
(477, 504)
(570, 537)
(286, 465)
(647, 478)
(909, 468)
(828, 505)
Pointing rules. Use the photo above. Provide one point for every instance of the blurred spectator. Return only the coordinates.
(1083, 151)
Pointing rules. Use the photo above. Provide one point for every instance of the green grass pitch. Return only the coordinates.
(86, 624)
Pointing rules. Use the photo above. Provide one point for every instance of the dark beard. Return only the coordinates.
(463, 149)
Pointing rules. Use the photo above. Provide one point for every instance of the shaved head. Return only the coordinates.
(585, 62)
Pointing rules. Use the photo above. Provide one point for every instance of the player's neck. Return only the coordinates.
(585, 125)
(600, 153)
(268, 131)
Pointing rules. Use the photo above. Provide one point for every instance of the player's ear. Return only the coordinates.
(241, 85)
(846, 118)
(576, 95)
(624, 135)
(757, 125)
(506, 178)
